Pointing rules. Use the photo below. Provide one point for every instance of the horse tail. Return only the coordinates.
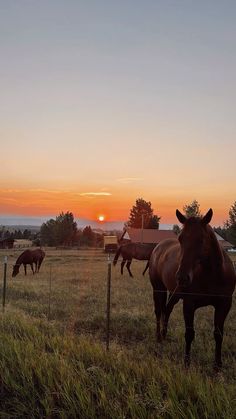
(146, 267)
(116, 255)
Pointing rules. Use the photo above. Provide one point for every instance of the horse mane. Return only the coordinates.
(20, 257)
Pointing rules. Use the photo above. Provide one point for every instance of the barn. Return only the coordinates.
(138, 235)
(147, 235)
(224, 243)
(6, 243)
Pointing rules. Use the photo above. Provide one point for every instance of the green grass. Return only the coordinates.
(54, 364)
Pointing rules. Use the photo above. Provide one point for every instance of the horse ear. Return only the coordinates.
(180, 217)
(207, 217)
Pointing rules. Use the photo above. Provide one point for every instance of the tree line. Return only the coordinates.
(63, 230)
(16, 234)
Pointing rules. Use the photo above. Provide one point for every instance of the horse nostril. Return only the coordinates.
(183, 279)
(178, 277)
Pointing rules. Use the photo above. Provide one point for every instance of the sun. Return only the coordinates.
(101, 217)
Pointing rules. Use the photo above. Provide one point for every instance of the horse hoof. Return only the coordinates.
(187, 361)
(217, 367)
(164, 333)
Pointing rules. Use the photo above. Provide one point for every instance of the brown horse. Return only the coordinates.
(130, 251)
(29, 257)
(195, 268)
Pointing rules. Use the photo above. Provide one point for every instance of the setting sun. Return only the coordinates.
(101, 218)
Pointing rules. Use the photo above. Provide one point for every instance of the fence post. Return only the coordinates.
(50, 291)
(108, 301)
(4, 284)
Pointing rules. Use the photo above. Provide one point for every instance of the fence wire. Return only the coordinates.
(71, 287)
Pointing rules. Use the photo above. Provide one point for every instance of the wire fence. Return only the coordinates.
(82, 290)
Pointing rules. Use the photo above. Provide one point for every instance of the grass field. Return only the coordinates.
(53, 358)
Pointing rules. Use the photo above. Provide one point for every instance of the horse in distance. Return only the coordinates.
(29, 257)
(194, 267)
(130, 251)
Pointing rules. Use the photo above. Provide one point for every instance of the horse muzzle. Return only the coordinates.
(183, 279)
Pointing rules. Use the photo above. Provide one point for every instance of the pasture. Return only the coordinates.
(53, 358)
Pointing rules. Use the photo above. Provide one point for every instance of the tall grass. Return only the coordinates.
(59, 368)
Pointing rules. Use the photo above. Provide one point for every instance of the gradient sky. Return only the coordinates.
(103, 102)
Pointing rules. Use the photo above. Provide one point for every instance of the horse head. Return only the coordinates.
(194, 244)
(16, 268)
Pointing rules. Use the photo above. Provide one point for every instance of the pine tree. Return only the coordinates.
(141, 215)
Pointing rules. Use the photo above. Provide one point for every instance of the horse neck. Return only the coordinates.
(20, 259)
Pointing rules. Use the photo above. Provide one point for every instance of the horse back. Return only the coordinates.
(38, 254)
(164, 263)
(25, 257)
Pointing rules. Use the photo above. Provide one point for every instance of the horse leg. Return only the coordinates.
(128, 267)
(25, 268)
(188, 309)
(122, 266)
(221, 311)
(39, 264)
(159, 297)
(173, 299)
(146, 267)
(32, 267)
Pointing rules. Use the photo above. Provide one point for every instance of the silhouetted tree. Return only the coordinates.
(88, 236)
(176, 229)
(230, 225)
(66, 228)
(26, 234)
(192, 210)
(61, 231)
(48, 233)
(142, 210)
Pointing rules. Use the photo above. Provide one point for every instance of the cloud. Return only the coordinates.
(34, 190)
(129, 179)
(95, 194)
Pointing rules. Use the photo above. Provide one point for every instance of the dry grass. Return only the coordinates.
(54, 358)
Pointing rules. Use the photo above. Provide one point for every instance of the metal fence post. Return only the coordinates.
(50, 291)
(4, 284)
(108, 301)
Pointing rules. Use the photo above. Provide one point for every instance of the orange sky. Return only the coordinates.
(103, 103)
(114, 205)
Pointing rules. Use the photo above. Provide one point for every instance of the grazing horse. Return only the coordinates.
(131, 251)
(194, 268)
(29, 257)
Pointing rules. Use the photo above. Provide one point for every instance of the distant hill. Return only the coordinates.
(34, 223)
(33, 229)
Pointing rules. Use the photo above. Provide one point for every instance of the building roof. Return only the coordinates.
(148, 235)
(224, 243)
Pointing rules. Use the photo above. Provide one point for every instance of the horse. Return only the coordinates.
(195, 268)
(29, 257)
(129, 251)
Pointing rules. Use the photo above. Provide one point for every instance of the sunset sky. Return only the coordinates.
(103, 102)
